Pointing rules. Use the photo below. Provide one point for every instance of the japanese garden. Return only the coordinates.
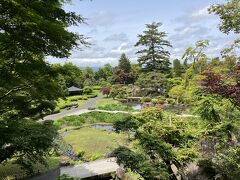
(151, 108)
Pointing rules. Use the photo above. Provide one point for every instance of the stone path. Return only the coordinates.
(91, 169)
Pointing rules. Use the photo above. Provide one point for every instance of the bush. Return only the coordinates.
(87, 90)
(80, 153)
(171, 101)
(76, 98)
(56, 110)
(68, 104)
(154, 101)
(66, 161)
(161, 99)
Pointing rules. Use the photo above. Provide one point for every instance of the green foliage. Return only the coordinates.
(104, 73)
(127, 124)
(72, 74)
(28, 33)
(80, 153)
(162, 141)
(88, 76)
(226, 164)
(115, 107)
(229, 15)
(87, 90)
(11, 170)
(146, 99)
(177, 68)
(138, 163)
(118, 91)
(92, 117)
(196, 53)
(32, 141)
(124, 64)
(93, 157)
(177, 92)
(154, 57)
(152, 83)
(207, 110)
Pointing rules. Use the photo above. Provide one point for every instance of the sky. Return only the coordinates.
(112, 27)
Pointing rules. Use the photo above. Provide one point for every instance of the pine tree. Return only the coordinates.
(124, 63)
(154, 57)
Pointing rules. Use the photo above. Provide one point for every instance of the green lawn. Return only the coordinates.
(11, 171)
(94, 142)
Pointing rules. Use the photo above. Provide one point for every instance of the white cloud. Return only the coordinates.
(201, 13)
(186, 33)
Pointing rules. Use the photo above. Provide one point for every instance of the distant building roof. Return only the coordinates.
(73, 88)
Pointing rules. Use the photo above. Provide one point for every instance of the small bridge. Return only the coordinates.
(92, 170)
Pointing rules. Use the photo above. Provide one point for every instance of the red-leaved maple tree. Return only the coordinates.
(227, 86)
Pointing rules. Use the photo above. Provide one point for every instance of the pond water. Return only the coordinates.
(134, 106)
(137, 107)
(103, 127)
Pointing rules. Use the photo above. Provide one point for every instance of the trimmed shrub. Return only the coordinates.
(87, 90)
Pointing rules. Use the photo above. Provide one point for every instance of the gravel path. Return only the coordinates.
(94, 168)
(82, 109)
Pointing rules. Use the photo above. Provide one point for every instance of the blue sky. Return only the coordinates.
(113, 26)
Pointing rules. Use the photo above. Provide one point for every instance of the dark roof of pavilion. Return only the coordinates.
(73, 88)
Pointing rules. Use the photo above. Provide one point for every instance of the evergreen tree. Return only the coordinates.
(177, 68)
(154, 57)
(124, 63)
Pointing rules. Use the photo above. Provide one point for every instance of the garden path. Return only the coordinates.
(91, 169)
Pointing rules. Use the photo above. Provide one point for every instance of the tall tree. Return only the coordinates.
(154, 57)
(29, 31)
(124, 63)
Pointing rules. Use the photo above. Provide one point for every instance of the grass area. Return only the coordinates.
(89, 118)
(112, 105)
(94, 142)
(11, 170)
